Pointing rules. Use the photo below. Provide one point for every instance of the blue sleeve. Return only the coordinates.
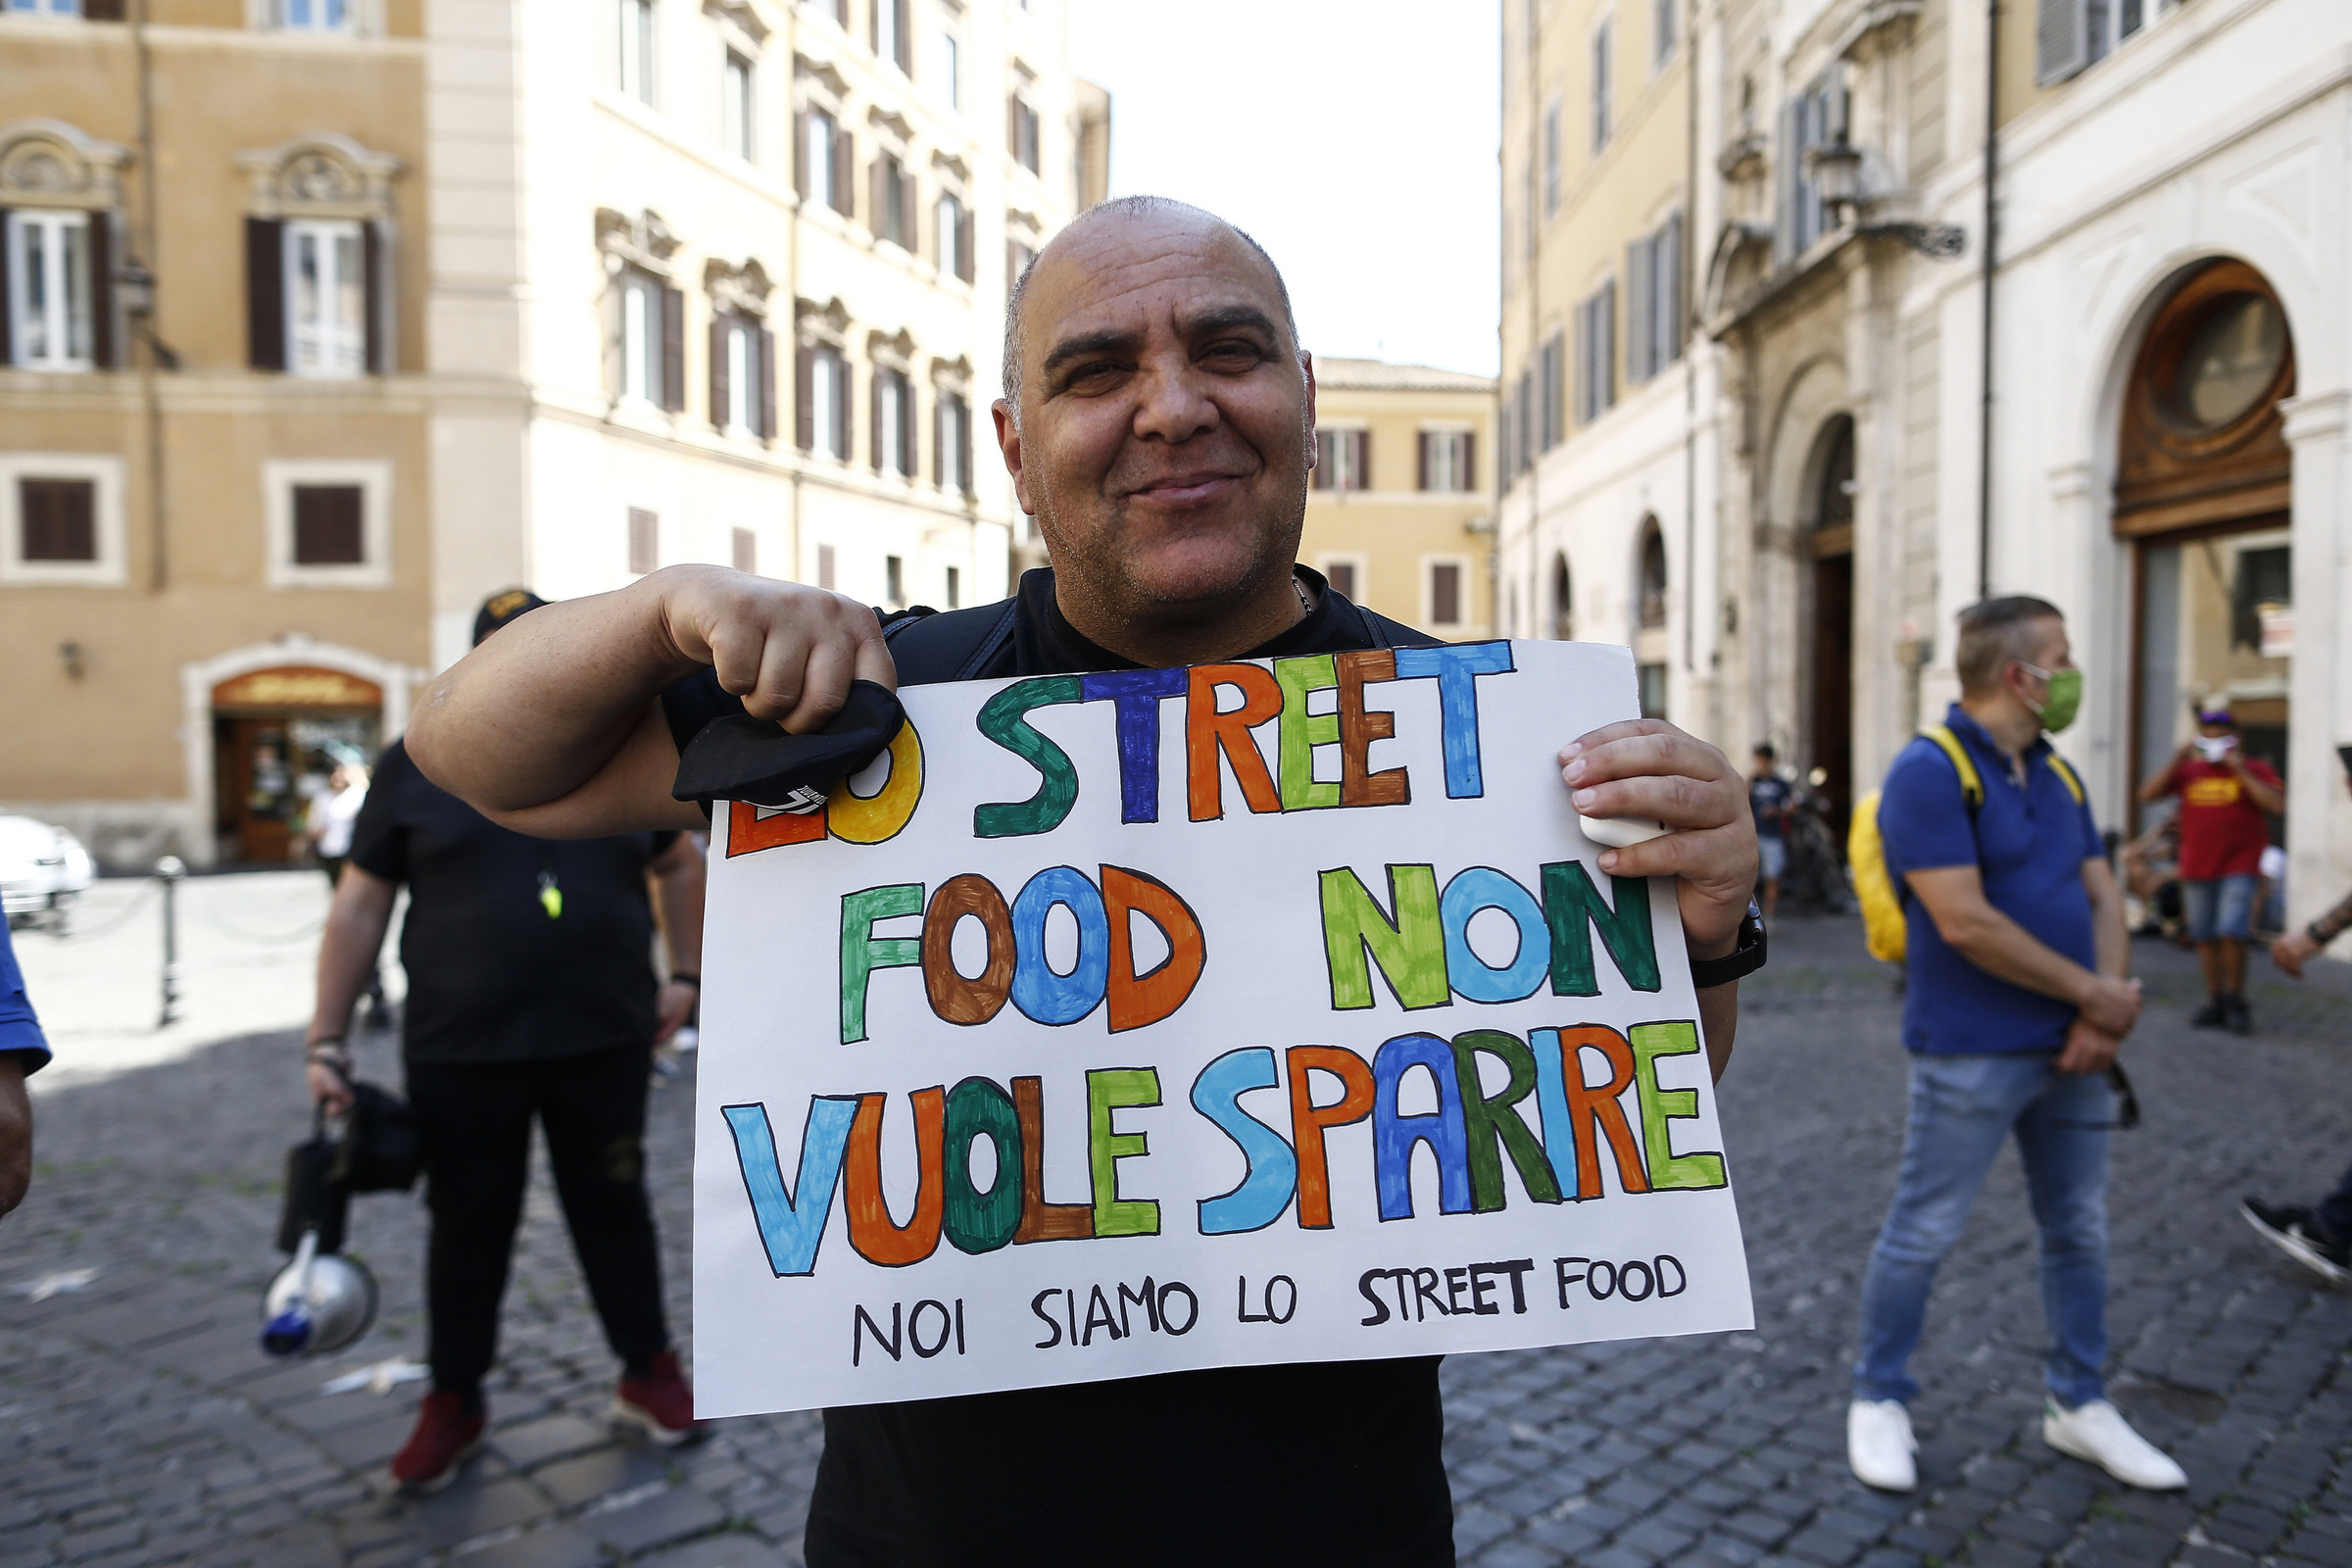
(20, 1030)
(2094, 846)
(1923, 816)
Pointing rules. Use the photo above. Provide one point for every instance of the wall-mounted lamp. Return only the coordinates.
(1836, 169)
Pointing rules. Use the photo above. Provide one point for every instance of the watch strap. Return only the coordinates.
(1743, 961)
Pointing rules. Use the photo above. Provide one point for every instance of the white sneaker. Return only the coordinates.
(1879, 1445)
(2098, 1433)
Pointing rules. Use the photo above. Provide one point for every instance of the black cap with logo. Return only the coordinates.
(508, 604)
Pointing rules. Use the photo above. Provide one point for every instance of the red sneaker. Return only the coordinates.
(659, 1404)
(447, 1435)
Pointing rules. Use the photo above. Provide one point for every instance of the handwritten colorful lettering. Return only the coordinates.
(1288, 993)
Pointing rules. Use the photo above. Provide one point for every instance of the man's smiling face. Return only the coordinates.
(1166, 421)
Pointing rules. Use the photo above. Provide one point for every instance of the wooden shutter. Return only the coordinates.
(58, 519)
(804, 397)
(848, 412)
(1326, 458)
(877, 196)
(1674, 300)
(873, 398)
(939, 439)
(966, 242)
(327, 529)
(1012, 125)
(7, 355)
(673, 348)
(265, 294)
(1636, 311)
(799, 153)
(905, 51)
(908, 455)
(845, 172)
(102, 10)
(1421, 461)
(720, 325)
(1606, 367)
(101, 230)
(911, 210)
(1362, 476)
(1469, 460)
(767, 385)
(963, 443)
(2061, 39)
(375, 296)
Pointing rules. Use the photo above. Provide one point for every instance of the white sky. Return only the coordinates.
(1354, 139)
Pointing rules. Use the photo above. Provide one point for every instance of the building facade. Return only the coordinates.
(327, 317)
(1401, 508)
(2119, 378)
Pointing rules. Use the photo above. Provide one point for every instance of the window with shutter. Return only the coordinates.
(1602, 124)
(1638, 319)
(644, 541)
(325, 298)
(58, 520)
(1445, 593)
(767, 385)
(804, 397)
(265, 294)
(2062, 39)
(327, 529)
(49, 303)
(723, 390)
(1341, 575)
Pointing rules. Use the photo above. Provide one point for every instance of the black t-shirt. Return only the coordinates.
(493, 976)
(1294, 1466)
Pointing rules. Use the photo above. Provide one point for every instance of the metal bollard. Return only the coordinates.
(169, 871)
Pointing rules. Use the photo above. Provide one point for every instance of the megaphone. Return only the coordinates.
(319, 1302)
(322, 1301)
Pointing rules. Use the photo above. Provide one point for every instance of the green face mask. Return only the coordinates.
(2065, 697)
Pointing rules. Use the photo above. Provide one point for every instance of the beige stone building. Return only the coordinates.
(2046, 298)
(1599, 496)
(1401, 510)
(327, 318)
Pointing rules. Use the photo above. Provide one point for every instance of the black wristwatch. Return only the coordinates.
(1743, 960)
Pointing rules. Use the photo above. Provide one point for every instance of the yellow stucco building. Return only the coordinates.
(324, 318)
(1400, 512)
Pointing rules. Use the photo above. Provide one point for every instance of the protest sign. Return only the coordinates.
(1252, 1012)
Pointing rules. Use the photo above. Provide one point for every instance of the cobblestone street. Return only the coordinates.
(139, 1423)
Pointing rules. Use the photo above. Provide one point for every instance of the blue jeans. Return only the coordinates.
(1962, 1107)
(2223, 908)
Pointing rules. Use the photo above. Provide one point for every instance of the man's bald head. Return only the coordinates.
(1122, 209)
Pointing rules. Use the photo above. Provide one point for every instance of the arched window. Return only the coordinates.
(1653, 578)
(1563, 601)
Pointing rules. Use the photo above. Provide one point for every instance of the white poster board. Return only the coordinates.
(1256, 1012)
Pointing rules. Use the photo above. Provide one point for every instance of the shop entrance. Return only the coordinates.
(277, 736)
(2202, 493)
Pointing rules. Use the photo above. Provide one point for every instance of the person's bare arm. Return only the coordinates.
(347, 951)
(1647, 768)
(2165, 780)
(678, 879)
(2270, 797)
(2089, 1048)
(1955, 898)
(15, 1130)
(553, 726)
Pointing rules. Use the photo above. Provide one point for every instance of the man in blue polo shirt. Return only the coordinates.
(2016, 1004)
(23, 1052)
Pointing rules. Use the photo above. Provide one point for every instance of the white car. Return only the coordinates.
(43, 871)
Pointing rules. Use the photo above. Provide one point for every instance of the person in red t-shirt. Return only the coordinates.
(2227, 799)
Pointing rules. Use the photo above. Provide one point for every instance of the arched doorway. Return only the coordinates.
(1828, 629)
(1563, 600)
(1649, 639)
(2201, 496)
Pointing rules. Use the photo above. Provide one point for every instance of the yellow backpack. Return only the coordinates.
(1882, 926)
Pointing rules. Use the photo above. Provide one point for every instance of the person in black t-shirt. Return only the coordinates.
(1158, 423)
(531, 994)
